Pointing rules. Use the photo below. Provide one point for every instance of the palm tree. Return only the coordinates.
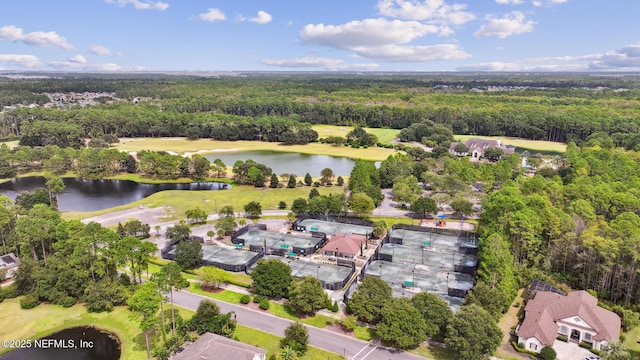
(288, 353)
(615, 351)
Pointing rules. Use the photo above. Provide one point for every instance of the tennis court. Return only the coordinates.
(332, 277)
(408, 279)
(279, 242)
(332, 228)
(229, 259)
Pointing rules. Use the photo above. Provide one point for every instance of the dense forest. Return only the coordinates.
(279, 108)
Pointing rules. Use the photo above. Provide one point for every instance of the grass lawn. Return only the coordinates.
(287, 312)
(277, 309)
(183, 145)
(224, 295)
(46, 319)
(507, 321)
(11, 144)
(384, 136)
(630, 341)
(271, 343)
(179, 201)
(434, 352)
(364, 333)
(530, 145)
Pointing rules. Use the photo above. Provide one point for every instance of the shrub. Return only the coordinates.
(67, 301)
(282, 205)
(517, 304)
(348, 323)
(521, 349)
(586, 345)
(245, 299)
(264, 304)
(257, 299)
(335, 308)
(597, 352)
(562, 338)
(548, 353)
(125, 279)
(316, 184)
(29, 302)
(9, 292)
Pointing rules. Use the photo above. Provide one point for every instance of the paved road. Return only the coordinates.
(341, 344)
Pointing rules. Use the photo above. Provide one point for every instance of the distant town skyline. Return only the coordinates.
(329, 35)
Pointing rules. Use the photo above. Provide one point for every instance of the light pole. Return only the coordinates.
(380, 270)
(413, 275)
(447, 283)
(317, 272)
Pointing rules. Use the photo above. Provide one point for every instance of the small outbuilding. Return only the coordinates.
(344, 245)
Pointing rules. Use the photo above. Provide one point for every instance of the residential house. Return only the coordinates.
(575, 315)
(212, 346)
(477, 147)
(10, 263)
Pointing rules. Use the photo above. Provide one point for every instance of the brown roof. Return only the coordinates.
(212, 346)
(346, 243)
(546, 308)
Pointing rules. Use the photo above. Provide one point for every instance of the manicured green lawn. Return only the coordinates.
(46, 319)
(179, 201)
(531, 145)
(271, 343)
(224, 295)
(364, 333)
(277, 309)
(384, 136)
(287, 312)
(631, 339)
(183, 145)
(434, 352)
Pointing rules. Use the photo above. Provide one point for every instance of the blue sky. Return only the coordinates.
(327, 35)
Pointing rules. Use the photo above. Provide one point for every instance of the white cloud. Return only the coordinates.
(315, 62)
(512, 2)
(100, 50)
(26, 61)
(399, 53)
(382, 39)
(624, 59)
(539, 3)
(212, 15)
(510, 24)
(141, 4)
(73, 64)
(38, 38)
(262, 18)
(365, 33)
(436, 11)
(78, 59)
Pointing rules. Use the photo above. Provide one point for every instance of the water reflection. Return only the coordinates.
(91, 195)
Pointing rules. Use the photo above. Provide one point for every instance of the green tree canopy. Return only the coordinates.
(369, 298)
(473, 333)
(436, 313)
(307, 295)
(402, 325)
(189, 254)
(271, 278)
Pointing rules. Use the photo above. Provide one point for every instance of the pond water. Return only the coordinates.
(292, 163)
(78, 343)
(91, 195)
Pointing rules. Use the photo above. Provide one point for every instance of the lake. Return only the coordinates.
(291, 163)
(78, 343)
(91, 195)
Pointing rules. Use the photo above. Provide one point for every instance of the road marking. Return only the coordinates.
(361, 350)
(369, 353)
